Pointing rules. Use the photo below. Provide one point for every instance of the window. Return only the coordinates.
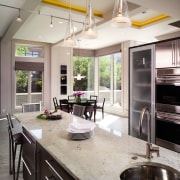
(28, 87)
(28, 51)
(117, 79)
(105, 77)
(29, 74)
(83, 72)
(110, 78)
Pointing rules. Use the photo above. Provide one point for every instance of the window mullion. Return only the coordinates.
(29, 86)
(112, 79)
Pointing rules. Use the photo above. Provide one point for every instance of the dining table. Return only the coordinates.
(84, 102)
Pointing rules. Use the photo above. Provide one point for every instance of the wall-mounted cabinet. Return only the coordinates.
(168, 53)
(141, 88)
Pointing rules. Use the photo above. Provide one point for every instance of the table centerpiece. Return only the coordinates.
(78, 96)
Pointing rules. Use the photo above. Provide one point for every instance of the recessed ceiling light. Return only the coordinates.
(61, 22)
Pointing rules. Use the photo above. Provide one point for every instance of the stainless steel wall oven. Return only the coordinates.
(168, 108)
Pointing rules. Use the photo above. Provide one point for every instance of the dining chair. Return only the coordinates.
(31, 107)
(93, 97)
(55, 102)
(15, 140)
(90, 109)
(101, 106)
(79, 110)
(65, 106)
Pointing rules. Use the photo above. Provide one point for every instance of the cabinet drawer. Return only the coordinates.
(49, 168)
(29, 156)
(28, 171)
(29, 147)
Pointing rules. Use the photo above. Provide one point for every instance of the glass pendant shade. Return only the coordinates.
(120, 17)
(89, 28)
(70, 40)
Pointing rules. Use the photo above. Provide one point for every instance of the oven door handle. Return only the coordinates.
(168, 118)
(166, 79)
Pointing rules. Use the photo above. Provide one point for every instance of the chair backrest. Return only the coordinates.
(64, 105)
(13, 124)
(101, 105)
(91, 105)
(63, 102)
(93, 97)
(31, 107)
(78, 110)
(103, 102)
(10, 123)
(55, 103)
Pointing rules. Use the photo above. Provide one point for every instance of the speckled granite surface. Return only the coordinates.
(101, 157)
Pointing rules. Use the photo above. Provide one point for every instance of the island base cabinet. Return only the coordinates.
(48, 168)
(29, 156)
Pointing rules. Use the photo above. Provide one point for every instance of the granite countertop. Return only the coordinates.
(103, 156)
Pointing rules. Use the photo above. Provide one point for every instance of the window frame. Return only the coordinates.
(32, 60)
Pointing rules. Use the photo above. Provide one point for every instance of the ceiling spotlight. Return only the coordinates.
(51, 24)
(19, 17)
(120, 16)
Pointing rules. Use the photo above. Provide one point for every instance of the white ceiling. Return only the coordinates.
(35, 25)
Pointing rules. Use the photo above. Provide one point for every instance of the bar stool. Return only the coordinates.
(15, 139)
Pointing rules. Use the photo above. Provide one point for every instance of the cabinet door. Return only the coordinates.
(167, 54)
(141, 88)
(29, 156)
(49, 168)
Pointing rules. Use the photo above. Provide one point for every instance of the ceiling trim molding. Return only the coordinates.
(140, 24)
(73, 7)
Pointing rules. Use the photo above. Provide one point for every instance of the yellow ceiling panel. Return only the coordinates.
(149, 21)
(73, 7)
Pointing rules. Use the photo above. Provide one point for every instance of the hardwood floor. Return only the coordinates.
(110, 122)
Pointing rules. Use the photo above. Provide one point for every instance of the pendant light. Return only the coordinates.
(19, 17)
(89, 28)
(120, 17)
(79, 77)
(51, 24)
(70, 40)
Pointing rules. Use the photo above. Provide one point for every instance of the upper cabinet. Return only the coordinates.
(167, 54)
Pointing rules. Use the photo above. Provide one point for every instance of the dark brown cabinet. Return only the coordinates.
(48, 168)
(38, 164)
(29, 156)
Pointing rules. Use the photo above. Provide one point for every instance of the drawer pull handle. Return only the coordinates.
(27, 138)
(48, 178)
(26, 167)
(53, 169)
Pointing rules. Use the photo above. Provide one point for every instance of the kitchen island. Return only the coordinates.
(101, 157)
